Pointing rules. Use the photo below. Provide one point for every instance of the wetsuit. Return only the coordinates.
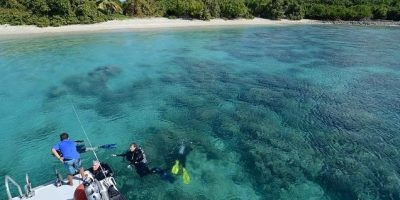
(98, 174)
(179, 153)
(137, 159)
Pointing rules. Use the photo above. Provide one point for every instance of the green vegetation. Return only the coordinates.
(62, 12)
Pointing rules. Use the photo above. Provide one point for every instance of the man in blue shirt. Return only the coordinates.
(66, 152)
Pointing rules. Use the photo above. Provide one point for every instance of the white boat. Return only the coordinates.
(88, 189)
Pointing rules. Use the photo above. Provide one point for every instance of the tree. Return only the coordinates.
(39, 7)
(12, 4)
(380, 12)
(109, 7)
(140, 8)
(258, 8)
(394, 14)
(213, 8)
(294, 10)
(233, 9)
(275, 10)
(85, 9)
(59, 8)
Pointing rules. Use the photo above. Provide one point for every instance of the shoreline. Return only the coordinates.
(364, 22)
(144, 24)
(162, 23)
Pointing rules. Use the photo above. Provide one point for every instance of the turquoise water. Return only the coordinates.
(297, 112)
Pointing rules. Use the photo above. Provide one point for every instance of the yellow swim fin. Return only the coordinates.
(185, 176)
(175, 168)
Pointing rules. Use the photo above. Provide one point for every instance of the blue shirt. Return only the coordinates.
(68, 149)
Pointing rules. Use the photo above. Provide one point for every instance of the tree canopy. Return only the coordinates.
(61, 12)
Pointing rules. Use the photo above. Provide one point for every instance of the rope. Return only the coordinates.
(83, 129)
(79, 120)
(87, 137)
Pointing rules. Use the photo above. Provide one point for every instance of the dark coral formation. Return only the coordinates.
(95, 85)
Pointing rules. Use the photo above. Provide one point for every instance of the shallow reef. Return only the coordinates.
(264, 122)
(287, 140)
(284, 137)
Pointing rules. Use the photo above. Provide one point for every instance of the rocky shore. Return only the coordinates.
(365, 22)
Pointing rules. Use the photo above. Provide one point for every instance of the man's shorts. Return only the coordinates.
(72, 166)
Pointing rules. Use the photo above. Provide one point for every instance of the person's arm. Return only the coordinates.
(121, 155)
(90, 149)
(54, 151)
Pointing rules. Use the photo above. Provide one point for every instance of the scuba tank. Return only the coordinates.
(92, 189)
(182, 149)
(144, 156)
(95, 190)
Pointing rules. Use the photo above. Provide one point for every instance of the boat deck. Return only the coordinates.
(51, 192)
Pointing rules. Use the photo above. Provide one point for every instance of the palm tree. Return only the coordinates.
(109, 6)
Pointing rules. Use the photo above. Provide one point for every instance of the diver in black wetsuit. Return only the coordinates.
(179, 153)
(137, 158)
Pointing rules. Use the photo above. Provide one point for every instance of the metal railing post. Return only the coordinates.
(7, 179)
(28, 188)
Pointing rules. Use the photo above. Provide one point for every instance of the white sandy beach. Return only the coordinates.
(144, 23)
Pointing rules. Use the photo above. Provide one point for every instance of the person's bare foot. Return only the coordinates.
(70, 183)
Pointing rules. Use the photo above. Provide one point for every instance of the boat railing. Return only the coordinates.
(28, 188)
(9, 179)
